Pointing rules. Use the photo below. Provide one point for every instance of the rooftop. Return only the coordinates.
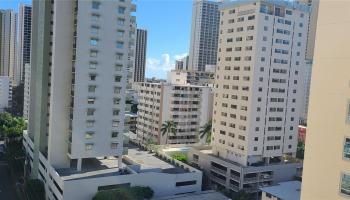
(285, 190)
(210, 194)
(285, 3)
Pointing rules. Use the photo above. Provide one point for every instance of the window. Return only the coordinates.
(121, 10)
(91, 88)
(91, 100)
(115, 134)
(92, 77)
(346, 149)
(114, 145)
(95, 17)
(88, 135)
(90, 123)
(288, 12)
(93, 41)
(93, 54)
(93, 64)
(95, 5)
(120, 45)
(117, 90)
(185, 183)
(118, 67)
(115, 112)
(117, 79)
(94, 30)
(116, 101)
(88, 146)
(115, 123)
(345, 184)
(120, 33)
(90, 111)
(251, 17)
(119, 56)
(121, 21)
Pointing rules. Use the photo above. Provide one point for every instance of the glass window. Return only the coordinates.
(94, 30)
(88, 146)
(114, 145)
(121, 10)
(121, 21)
(120, 33)
(90, 111)
(117, 78)
(89, 134)
(346, 150)
(90, 123)
(120, 45)
(93, 41)
(95, 5)
(115, 112)
(115, 134)
(93, 54)
(345, 184)
(92, 77)
(91, 88)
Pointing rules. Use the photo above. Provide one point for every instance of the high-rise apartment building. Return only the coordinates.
(326, 165)
(188, 106)
(78, 81)
(183, 77)
(204, 34)
(182, 63)
(256, 107)
(5, 92)
(305, 92)
(140, 55)
(26, 96)
(24, 38)
(8, 39)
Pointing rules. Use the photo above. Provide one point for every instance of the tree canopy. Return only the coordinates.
(11, 127)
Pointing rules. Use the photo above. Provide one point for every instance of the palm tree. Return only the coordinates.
(168, 127)
(206, 131)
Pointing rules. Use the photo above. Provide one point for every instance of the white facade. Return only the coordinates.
(8, 37)
(307, 70)
(204, 34)
(256, 104)
(5, 92)
(26, 101)
(189, 106)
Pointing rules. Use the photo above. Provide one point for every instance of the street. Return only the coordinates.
(7, 191)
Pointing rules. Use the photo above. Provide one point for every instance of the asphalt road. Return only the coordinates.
(7, 191)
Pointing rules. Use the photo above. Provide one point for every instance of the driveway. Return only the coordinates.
(7, 191)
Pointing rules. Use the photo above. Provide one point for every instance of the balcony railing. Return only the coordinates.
(218, 170)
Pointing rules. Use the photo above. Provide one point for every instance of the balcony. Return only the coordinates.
(218, 180)
(223, 172)
(236, 178)
(234, 187)
(251, 180)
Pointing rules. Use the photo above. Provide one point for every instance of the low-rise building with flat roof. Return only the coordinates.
(283, 191)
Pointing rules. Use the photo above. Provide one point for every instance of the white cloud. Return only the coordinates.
(165, 63)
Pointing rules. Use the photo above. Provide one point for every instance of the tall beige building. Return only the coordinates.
(327, 159)
(256, 104)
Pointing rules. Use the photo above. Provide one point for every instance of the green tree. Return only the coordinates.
(205, 131)
(35, 189)
(179, 156)
(141, 193)
(242, 195)
(11, 127)
(168, 127)
(300, 150)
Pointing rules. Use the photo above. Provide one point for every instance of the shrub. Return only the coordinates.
(35, 189)
(179, 156)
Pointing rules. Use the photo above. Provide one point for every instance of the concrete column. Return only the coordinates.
(120, 162)
(79, 164)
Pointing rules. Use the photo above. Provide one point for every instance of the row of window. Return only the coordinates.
(89, 146)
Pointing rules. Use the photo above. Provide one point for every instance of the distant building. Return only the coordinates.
(26, 101)
(5, 92)
(183, 77)
(282, 191)
(8, 39)
(188, 106)
(24, 38)
(204, 34)
(305, 92)
(182, 63)
(140, 55)
(302, 133)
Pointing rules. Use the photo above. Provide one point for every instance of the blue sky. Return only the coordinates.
(168, 23)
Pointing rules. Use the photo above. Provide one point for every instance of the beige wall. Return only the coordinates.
(330, 94)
